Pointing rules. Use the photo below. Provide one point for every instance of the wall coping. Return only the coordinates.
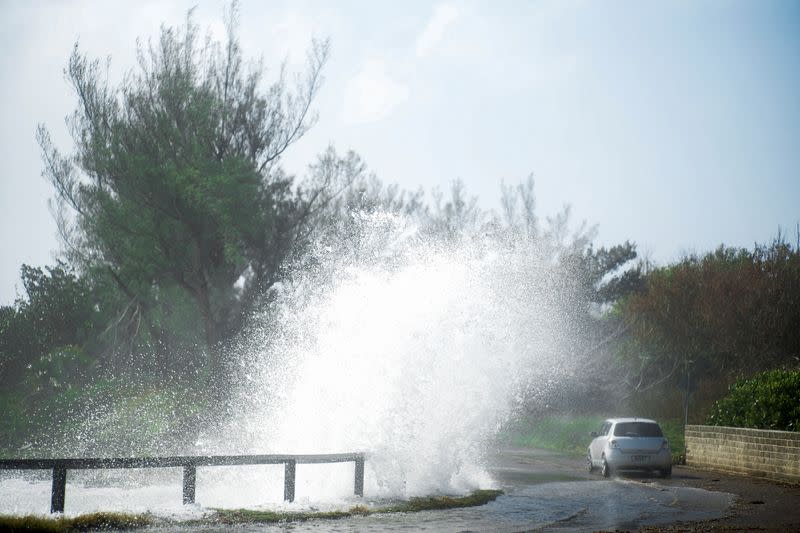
(788, 435)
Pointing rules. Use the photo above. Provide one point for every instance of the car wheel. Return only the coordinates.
(606, 469)
(667, 472)
(589, 464)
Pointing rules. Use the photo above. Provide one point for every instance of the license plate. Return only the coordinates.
(640, 458)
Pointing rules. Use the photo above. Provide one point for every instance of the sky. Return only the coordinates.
(675, 125)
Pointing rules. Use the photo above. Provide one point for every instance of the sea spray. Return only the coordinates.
(412, 349)
(387, 338)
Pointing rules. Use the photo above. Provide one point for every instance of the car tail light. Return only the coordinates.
(613, 444)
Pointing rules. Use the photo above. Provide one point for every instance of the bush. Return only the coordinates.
(769, 400)
(674, 432)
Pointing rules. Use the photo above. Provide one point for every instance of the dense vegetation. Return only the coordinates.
(769, 400)
(709, 320)
(178, 221)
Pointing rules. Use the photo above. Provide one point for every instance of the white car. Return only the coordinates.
(629, 444)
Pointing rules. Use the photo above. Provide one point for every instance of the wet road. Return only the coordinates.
(545, 492)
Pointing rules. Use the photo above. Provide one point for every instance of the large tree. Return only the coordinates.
(175, 184)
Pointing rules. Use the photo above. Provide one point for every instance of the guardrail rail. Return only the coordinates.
(189, 464)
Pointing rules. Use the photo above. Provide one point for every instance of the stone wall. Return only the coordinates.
(752, 452)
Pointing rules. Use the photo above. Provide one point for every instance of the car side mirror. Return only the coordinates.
(593, 434)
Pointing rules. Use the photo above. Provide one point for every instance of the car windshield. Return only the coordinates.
(637, 429)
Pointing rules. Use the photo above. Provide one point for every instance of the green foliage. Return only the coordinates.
(55, 346)
(42, 337)
(605, 276)
(174, 186)
(59, 368)
(15, 421)
(674, 432)
(128, 416)
(769, 400)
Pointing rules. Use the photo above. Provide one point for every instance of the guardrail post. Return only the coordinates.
(288, 480)
(58, 492)
(60, 466)
(359, 477)
(189, 478)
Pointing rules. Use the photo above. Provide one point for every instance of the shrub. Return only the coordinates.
(769, 400)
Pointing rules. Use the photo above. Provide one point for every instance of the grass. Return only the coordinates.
(247, 516)
(428, 503)
(567, 434)
(85, 522)
(228, 517)
(478, 497)
(571, 434)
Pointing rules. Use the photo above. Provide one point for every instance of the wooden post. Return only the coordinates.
(189, 478)
(359, 477)
(288, 480)
(59, 489)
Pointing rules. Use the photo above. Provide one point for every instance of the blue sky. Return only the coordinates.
(672, 124)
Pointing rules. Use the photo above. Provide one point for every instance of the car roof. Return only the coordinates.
(617, 420)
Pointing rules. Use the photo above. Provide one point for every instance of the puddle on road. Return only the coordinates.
(546, 506)
(516, 477)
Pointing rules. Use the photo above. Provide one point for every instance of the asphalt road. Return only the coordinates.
(545, 491)
(704, 500)
(621, 503)
(759, 505)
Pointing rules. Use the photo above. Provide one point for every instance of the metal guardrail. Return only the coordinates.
(189, 464)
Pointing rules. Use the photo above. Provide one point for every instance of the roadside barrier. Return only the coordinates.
(189, 464)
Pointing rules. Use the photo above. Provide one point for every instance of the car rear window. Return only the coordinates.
(637, 429)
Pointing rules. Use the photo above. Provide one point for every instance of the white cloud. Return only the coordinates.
(443, 16)
(372, 95)
(293, 34)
